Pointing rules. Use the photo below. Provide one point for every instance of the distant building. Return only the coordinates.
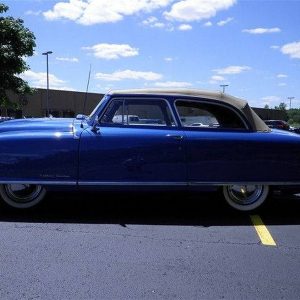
(70, 103)
(61, 103)
(271, 114)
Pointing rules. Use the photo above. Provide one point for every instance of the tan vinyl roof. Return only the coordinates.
(256, 122)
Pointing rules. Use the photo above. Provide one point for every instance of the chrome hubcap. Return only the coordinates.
(22, 193)
(245, 194)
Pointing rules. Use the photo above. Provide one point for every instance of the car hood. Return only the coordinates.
(38, 124)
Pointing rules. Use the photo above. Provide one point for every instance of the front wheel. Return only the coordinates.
(22, 195)
(245, 197)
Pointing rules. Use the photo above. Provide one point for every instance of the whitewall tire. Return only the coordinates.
(245, 197)
(18, 195)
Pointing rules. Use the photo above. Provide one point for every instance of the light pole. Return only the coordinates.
(224, 86)
(47, 108)
(291, 98)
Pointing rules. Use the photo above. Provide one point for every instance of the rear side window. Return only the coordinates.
(206, 115)
(143, 112)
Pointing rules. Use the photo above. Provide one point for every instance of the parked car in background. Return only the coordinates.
(2, 119)
(200, 125)
(295, 129)
(148, 139)
(279, 124)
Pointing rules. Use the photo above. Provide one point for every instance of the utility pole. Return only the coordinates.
(291, 98)
(47, 108)
(224, 86)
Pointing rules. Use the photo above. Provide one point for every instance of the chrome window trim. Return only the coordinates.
(94, 113)
(139, 98)
(207, 101)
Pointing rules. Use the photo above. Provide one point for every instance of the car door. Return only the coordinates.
(218, 143)
(136, 142)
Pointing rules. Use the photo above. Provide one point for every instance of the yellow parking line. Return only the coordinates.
(262, 231)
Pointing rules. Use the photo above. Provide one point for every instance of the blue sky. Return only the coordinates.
(253, 46)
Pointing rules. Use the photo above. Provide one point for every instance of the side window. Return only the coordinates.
(138, 112)
(205, 115)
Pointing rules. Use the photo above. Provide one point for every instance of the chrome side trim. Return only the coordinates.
(148, 183)
(112, 183)
(244, 182)
(38, 182)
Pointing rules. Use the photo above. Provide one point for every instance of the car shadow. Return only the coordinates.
(180, 208)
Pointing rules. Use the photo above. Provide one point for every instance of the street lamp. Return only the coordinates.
(224, 86)
(291, 98)
(47, 53)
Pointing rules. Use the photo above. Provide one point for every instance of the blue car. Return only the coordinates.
(148, 139)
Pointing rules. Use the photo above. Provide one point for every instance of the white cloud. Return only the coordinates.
(196, 10)
(224, 22)
(153, 22)
(101, 11)
(173, 84)
(274, 47)
(185, 27)
(282, 84)
(208, 24)
(33, 12)
(72, 10)
(281, 76)
(168, 59)
(232, 70)
(68, 59)
(262, 30)
(158, 25)
(39, 80)
(292, 49)
(128, 74)
(217, 78)
(112, 51)
(150, 20)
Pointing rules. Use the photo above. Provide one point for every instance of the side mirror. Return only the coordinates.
(95, 125)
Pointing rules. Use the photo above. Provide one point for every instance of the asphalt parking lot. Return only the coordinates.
(149, 246)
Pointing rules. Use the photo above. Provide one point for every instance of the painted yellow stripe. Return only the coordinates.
(262, 231)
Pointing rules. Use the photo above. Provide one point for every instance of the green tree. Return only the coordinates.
(282, 106)
(16, 43)
(266, 106)
(294, 116)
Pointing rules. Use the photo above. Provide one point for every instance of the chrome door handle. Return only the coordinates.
(175, 136)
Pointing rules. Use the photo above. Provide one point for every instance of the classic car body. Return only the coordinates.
(159, 148)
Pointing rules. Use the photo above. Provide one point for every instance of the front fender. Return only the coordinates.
(34, 156)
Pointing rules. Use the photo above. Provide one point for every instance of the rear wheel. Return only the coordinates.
(19, 195)
(245, 197)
